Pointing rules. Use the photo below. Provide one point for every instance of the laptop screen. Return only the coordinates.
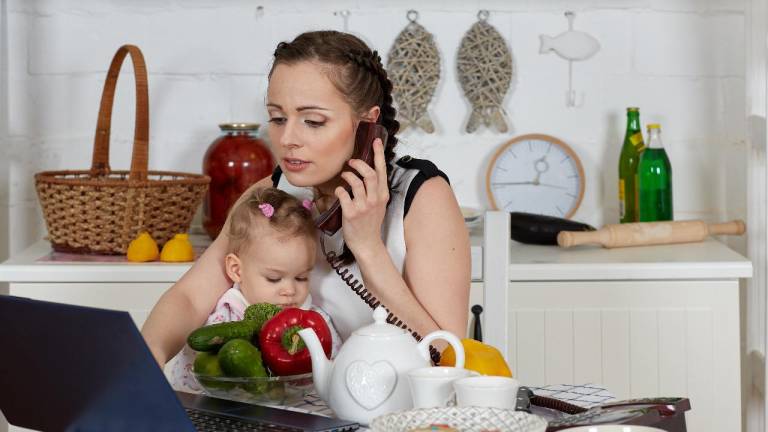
(73, 367)
(65, 367)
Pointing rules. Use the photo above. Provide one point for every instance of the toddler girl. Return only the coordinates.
(272, 250)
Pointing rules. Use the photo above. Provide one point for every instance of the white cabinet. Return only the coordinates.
(645, 321)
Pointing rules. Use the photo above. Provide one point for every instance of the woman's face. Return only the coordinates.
(311, 125)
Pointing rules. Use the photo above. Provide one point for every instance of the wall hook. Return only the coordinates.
(571, 45)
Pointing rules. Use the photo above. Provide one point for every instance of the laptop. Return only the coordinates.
(67, 368)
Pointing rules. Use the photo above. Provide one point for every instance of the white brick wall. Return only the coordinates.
(681, 61)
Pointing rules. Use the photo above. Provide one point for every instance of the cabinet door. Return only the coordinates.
(136, 299)
(635, 338)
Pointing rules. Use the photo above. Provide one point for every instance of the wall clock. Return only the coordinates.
(535, 173)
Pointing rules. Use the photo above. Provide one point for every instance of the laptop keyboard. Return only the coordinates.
(207, 422)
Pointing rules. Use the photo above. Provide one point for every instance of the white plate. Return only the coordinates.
(465, 419)
(612, 428)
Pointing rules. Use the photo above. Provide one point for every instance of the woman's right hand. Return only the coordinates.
(364, 214)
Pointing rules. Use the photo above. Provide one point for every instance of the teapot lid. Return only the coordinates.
(380, 327)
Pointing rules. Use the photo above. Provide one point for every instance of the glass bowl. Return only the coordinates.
(277, 390)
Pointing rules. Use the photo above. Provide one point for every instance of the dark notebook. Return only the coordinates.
(74, 368)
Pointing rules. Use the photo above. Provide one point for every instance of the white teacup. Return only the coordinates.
(487, 391)
(433, 386)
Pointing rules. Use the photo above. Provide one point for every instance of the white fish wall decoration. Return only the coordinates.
(571, 45)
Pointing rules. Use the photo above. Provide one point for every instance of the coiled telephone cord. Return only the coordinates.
(358, 288)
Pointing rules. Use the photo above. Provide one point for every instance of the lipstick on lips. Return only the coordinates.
(292, 164)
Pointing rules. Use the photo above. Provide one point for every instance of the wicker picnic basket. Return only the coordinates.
(99, 210)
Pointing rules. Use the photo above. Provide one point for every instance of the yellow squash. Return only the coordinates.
(479, 357)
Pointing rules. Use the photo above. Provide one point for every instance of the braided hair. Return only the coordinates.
(357, 73)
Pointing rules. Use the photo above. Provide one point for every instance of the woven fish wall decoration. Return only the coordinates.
(413, 65)
(484, 66)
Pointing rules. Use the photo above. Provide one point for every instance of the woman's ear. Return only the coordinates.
(372, 115)
(233, 266)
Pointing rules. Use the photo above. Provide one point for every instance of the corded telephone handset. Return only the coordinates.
(330, 220)
(329, 223)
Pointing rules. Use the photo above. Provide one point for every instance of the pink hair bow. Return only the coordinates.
(267, 210)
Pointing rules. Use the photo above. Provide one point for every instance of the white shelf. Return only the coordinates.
(710, 259)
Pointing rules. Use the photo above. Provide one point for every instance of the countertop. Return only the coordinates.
(705, 260)
(28, 267)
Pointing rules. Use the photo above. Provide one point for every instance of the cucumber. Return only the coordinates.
(540, 229)
(212, 337)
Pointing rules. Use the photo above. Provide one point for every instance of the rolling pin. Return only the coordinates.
(649, 233)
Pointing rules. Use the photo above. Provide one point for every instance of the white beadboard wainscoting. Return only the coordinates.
(642, 322)
(670, 346)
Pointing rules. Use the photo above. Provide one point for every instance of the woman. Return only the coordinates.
(402, 231)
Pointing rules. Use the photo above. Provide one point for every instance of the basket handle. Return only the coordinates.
(139, 158)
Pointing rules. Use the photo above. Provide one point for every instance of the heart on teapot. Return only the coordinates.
(371, 384)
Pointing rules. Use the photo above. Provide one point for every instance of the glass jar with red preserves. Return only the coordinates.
(237, 159)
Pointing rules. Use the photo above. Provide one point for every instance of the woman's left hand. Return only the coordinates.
(363, 215)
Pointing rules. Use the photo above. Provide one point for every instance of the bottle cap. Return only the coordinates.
(654, 126)
(633, 109)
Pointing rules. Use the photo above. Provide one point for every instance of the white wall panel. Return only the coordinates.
(616, 357)
(531, 347)
(587, 346)
(559, 337)
(635, 338)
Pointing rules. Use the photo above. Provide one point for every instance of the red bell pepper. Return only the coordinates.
(282, 348)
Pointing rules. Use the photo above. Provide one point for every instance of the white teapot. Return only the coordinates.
(368, 378)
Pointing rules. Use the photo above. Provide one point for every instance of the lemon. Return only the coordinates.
(178, 249)
(207, 364)
(142, 249)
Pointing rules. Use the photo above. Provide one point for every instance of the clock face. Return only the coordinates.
(536, 174)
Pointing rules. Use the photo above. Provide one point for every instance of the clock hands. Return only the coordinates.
(541, 166)
(540, 163)
(535, 183)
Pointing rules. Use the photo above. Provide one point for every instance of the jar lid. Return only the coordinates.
(239, 126)
(380, 327)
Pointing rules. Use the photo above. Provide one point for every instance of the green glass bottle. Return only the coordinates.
(654, 179)
(628, 160)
